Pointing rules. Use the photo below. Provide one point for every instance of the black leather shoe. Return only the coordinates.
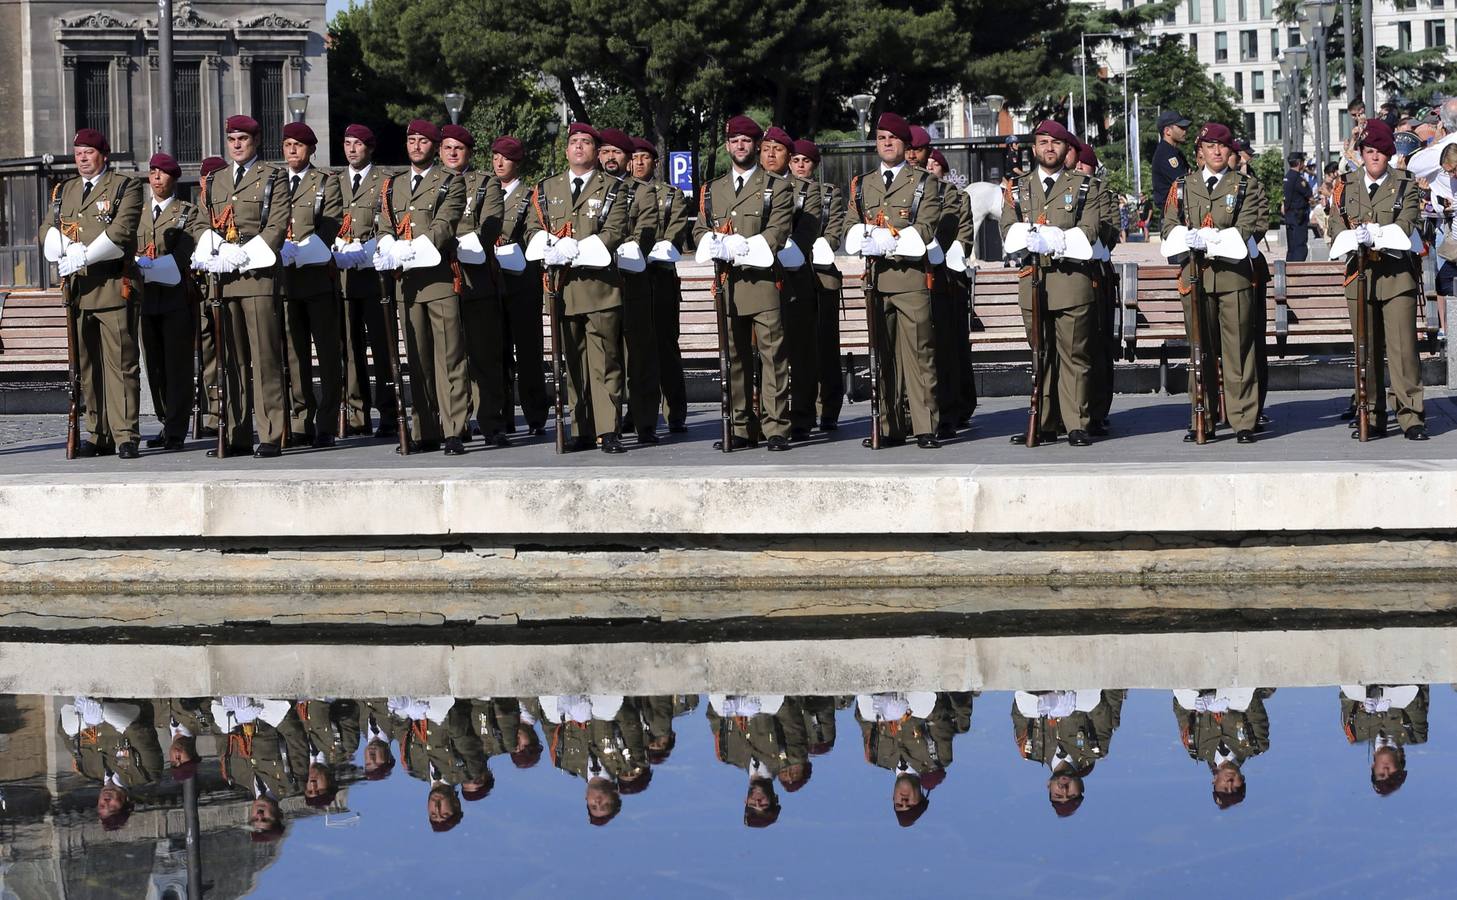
(173, 444)
(389, 431)
(799, 433)
(322, 441)
(454, 446)
(829, 425)
(677, 428)
(611, 443)
(1416, 433)
(1245, 436)
(885, 442)
(647, 436)
(127, 450)
(430, 446)
(736, 443)
(1046, 437)
(357, 431)
(927, 442)
(1078, 438)
(156, 443)
(267, 451)
(1262, 419)
(206, 432)
(945, 431)
(1190, 437)
(1098, 429)
(85, 450)
(498, 440)
(582, 443)
(212, 451)
(778, 443)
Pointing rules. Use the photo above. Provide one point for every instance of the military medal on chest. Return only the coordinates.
(1229, 201)
(1067, 201)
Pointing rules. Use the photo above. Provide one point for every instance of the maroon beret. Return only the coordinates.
(1065, 808)
(1087, 157)
(425, 129)
(1055, 131)
(643, 145)
(90, 137)
(584, 128)
(166, 163)
(1378, 137)
(300, 132)
(941, 160)
(474, 794)
(188, 770)
(458, 133)
(743, 125)
(807, 149)
(779, 136)
(920, 137)
(246, 124)
(360, 133)
(1215, 133)
(895, 124)
(616, 137)
(509, 147)
(908, 817)
(211, 165)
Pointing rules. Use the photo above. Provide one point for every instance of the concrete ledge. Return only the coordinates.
(708, 501)
(850, 666)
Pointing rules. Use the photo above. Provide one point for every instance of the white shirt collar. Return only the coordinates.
(301, 172)
(362, 173)
(97, 177)
(247, 164)
(1368, 180)
(163, 203)
(746, 174)
(508, 186)
(1205, 174)
(1044, 174)
(586, 178)
(896, 169)
(421, 172)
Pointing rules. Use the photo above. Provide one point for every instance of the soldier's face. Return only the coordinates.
(180, 752)
(1375, 162)
(110, 801)
(600, 803)
(242, 146)
(454, 154)
(296, 153)
(263, 815)
(936, 168)
(758, 799)
(376, 756)
(642, 165)
(891, 149)
(917, 156)
(89, 160)
(440, 805)
(1085, 169)
(802, 166)
(774, 156)
(504, 168)
(1050, 151)
(1228, 779)
(581, 151)
(1216, 156)
(420, 149)
(357, 152)
(906, 795)
(612, 158)
(1062, 788)
(319, 782)
(741, 150)
(162, 184)
(1384, 764)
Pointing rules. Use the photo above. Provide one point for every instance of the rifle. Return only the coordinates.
(1363, 349)
(344, 360)
(554, 324)
(278, 304)
(73, 360)
(1196, 344)
(393, 318)
(199, 391)
(872, 335)
(722, 300)
(221, 339)
(1039, 351)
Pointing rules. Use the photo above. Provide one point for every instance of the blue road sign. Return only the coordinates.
(680, 170)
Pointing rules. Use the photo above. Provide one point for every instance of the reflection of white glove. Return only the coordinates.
(145, 262)
(384, 260)
(1376, 704)
(736, 244)
(1366, 235)
(1211, 703)
(884, 241)
(235, 256)
(1057, 704)
(891, 707)
(289, 252)
(718, 249)
(567, 247)
(1037, 243)
(1195, 241)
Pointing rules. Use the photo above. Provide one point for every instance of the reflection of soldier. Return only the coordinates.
(438, 746)
(819, 723)
(658, 714)
(599, 738)
(909, 734)
(1067, 731)
(331, 728)
(1224, 728)
(266, 753)
(764, 735)
(1387, 717)
(112, 742)
(186, 718)
(378, 728)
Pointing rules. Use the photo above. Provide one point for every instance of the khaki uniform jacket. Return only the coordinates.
(747, 214)
(377, 709)
(659, 711)
(331, 728)
(955, 225)
(427, 212)
(584, 290)
(1224, 210)
(892, 274)
(169, 234)
(192, 713)
(358, 224)
(819, 720)
(643, 219)
(517, 215)
(1395, 276)
(495, 722)
(1244, 733)
(1084, 736)
(235, 211)
(484, 207)
(1069, 282)
(133, 755)
(451, 747)
(114, 208)
(618, 745)
(776, 741)
(315, 208)
(279, 757)
(675, 219)
(1403, 725)
(1112, 226)
(922, 744)
(833, 224)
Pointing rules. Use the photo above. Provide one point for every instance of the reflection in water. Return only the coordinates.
(263, 767)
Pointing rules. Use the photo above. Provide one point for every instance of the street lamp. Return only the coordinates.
(1292, 63)
(1316, 18)
(1083, 64)
(995, 102)
(454, 103)
(861, 104)
(298, 104)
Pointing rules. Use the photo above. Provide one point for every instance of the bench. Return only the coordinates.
(32, 332)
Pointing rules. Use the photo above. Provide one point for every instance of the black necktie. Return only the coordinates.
(85, 191)
(415, 183)
(238, 175)
(1211, 181)
(293, 184)
(357, 179)
(889, 177)
(1047, 184)
(576, 188)
(738, 184)
(1371, 191)
(156, 212)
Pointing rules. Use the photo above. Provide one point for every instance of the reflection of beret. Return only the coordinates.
(458, 133)
(643, 145)
(1226, 799)
(360, 133)
(807, 149)
(756, 819)
(1378, 137)
(300, 132)
(616, 137)
(895, 124)
(743, 125)
(246, 124)
(779, 136)
(920, 137)
(424, 129)
(509, 147)
(321, 801)
(636, 785)
(166, 163)
(90, 137)
(211, 165)
(1055, 131)
(474, 794)
(584, 128)
(188, 770)
(909, 817)
(1065, 808)
(1215, 133)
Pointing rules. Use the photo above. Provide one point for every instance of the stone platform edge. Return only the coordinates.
(701, 502)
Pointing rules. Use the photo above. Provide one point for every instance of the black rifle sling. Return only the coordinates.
(918, 196)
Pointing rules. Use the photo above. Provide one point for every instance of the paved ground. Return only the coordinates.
(1146, 429)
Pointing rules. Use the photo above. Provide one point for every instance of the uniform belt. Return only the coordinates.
(108, 269)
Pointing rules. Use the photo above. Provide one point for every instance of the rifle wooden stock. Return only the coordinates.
(279, 304)
(342, 427)
(554, 324)
(1363, 349)
(393, 317)
(872, 336)
(1038, 340)
(73, 372)
(721, 301)
(1196, 344)
(199, 385)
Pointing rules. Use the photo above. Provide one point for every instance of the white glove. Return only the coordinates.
(884, 241)
(401, 252)
(218, 264)
(289, 252)
(1366, 235)
(891, 707)
(235, 256)
(1057, 704)
(871, 247)
(384, 260)
(1037, 242)
(567, 247)
(1211, 703)
(1056, 240)
(145, 262)
(1194, 240)
(74, 260)
(553, 256)
(736, 244)
(719, 250)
